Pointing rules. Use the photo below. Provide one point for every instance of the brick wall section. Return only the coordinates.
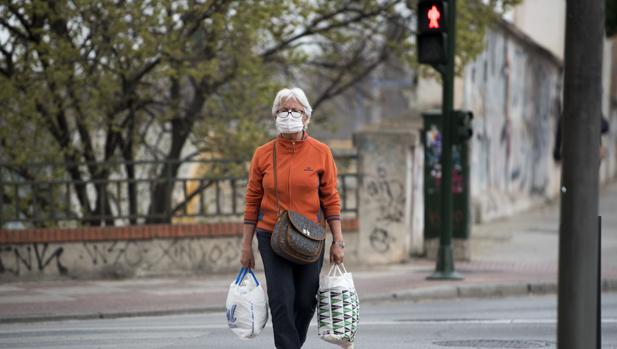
(136, 232)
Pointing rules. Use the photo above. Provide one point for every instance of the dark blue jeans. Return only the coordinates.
(292, 294)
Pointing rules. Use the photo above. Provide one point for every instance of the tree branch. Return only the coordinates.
(333, 90)
(9, 69)
(311, 30)
(190, 197)
(214, 8)
(20, 18)
(14, 30)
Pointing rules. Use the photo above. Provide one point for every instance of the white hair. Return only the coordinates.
(295, 93)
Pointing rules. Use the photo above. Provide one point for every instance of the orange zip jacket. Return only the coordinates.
(306, 176)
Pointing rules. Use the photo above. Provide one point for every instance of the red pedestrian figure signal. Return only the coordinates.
(432, 31)
(433, 16)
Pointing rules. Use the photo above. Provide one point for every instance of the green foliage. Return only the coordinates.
(474, 18)
(100, 81)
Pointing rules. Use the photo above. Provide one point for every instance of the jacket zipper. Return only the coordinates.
(293, 145)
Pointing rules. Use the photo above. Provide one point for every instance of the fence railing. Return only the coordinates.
(124, 193)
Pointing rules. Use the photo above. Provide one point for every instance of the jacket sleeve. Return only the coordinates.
(328, 192)
(254, 192)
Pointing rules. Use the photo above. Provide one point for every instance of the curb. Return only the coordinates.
(476, 291)
(416, 295)
(117, 315)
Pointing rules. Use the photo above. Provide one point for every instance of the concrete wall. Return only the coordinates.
(608, 169)
(544, 21)
(390, 214)
(87, 253)
(514, 90)
(118, 259)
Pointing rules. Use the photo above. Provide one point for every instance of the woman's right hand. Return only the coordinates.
(247, 259)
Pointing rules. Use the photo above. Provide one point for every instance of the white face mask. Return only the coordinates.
(289, 125)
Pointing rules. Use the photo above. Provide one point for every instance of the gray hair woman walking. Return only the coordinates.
(306, 184)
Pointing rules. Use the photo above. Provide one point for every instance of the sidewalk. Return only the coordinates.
(513, 256)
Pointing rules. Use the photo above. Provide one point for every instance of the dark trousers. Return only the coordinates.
(292, 294)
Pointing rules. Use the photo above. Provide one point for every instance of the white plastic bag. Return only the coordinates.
(247, 305)
(339, 307)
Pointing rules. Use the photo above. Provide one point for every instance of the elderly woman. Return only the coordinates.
(306, 184)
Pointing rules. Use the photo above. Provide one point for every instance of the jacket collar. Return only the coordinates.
(291, 145)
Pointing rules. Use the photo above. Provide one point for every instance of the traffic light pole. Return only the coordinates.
(444, 269)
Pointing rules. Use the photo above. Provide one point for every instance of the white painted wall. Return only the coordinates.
(429, 94)
(542, 20)
(513, 90)
(607, 69)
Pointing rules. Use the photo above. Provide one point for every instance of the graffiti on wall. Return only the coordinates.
(513, 90)
(22, 259)
(381, 240)
(387, 196)
(148, 256)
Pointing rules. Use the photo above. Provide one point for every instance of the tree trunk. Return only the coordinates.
(182, 126)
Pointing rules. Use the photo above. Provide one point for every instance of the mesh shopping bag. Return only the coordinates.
(247, 305)
(338, 307)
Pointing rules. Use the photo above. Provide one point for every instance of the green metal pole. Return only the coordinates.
(444, 269)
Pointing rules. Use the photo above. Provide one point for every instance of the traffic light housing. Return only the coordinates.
(432, 32)
(463, 126)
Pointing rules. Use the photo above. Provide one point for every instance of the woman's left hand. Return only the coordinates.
(336, 254)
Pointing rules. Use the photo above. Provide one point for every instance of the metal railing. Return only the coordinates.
(49, 195)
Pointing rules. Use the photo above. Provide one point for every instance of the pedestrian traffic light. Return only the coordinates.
(463, 127)
(431, 36)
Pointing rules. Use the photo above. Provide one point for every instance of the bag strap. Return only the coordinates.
(335, 270)
(276, 191)
(254, 277)
(242, 275)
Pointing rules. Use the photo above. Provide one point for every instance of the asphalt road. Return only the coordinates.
(522, 322)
